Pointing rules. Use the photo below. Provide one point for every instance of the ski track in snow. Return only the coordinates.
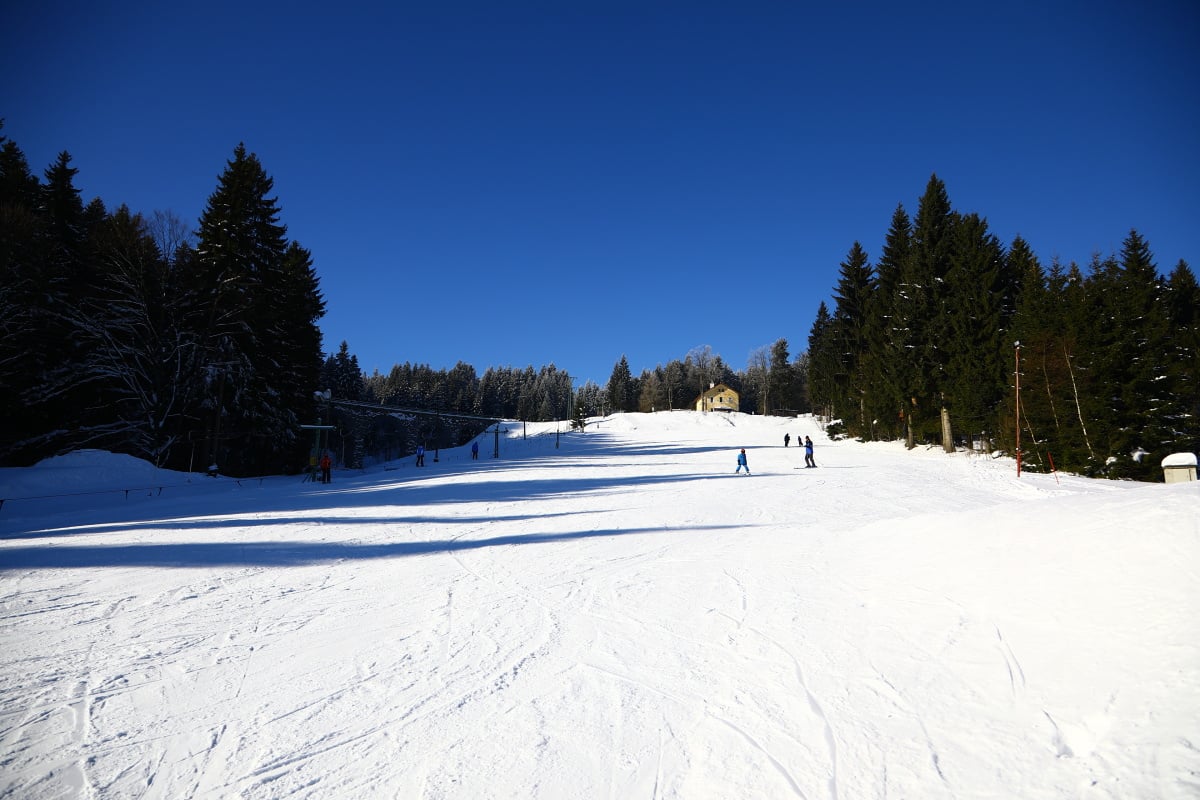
(618, 616)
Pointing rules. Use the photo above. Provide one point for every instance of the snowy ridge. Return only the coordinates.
(615, 616)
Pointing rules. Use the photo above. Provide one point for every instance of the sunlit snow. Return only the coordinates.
(612, 614)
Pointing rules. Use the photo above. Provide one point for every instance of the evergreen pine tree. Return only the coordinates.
(52, 276)
(1122, 342)
(853, 295)
(974, 345)
(341, 374)
(922, 306)
(529, 399)
(590, 399)
(823, 363)
(489, 393)
(579, 416)
(620, 388)
(65, 229)
(1182, 411)
(1045, 400)
(782, 379)
(262, 356)
(463, 388)
(22, 316)
(1100, 362)
(293, 349)
(1087, 398)
(1141, 423)
(888, 367)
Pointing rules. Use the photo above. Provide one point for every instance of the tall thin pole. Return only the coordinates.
(1017, 356)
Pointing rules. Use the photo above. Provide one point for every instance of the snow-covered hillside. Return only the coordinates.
(615, 616)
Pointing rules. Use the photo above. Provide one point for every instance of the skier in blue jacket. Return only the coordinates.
(742, 462)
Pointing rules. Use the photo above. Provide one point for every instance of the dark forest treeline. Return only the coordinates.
(504, 393)
(190, 347)
(139, 336)
(921, 346)
(501, 393)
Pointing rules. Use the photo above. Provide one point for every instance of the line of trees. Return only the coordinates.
(501, 392)
(922, 345)
(771, 382)
(135, 335)
(185, 348)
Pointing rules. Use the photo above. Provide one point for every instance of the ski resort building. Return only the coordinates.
(719, 397)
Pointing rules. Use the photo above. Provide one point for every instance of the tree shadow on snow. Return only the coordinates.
(281, 554)
(486, 480)
(306, 522)
(210, 511)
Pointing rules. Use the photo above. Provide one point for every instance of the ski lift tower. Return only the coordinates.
(320, 433)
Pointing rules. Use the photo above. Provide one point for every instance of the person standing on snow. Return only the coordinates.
(741, 459)
(808, 453)
(326, 469)
(787, 437)
(475, 449)
(420, 455)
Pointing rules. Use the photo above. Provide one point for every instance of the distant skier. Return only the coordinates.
(808, 453)
(741, 459)
(787, 437)
(420, 455)
(326, 469)
(475, 450)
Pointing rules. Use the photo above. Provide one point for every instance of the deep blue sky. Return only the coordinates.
(514, 184)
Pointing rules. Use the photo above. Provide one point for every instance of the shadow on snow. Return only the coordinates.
(362, 493)
(280, 554)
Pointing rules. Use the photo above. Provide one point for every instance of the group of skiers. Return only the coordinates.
(326, 462)
(787, 439)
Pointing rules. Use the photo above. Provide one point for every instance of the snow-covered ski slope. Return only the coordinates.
(619, 616)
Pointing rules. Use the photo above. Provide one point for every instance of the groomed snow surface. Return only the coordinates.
(617, 616)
